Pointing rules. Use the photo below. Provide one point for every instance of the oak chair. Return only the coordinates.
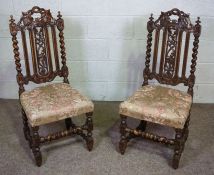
(157, 103)
(50, 102)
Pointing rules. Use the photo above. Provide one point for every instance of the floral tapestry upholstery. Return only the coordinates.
(53, 102)
(158, 104)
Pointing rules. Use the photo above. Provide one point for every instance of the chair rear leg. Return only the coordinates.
(178, 149)
(89, 124)
(69, 123)
(36, 146)
(142, 125)
(123, 139)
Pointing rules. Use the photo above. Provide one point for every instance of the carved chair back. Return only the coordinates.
(38, 30)
(169, 30)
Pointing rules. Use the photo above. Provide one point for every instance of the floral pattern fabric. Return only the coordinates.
(158, 104)
(54, 102)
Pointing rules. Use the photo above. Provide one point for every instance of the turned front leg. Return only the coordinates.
(89, 124)
(26, 128)
(36, 146)
(123, 140)
(178, 147)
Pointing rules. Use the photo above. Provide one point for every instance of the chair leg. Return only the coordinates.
(186, 128)
(68, 123)
(142, 125)
(89, 124)
(178, 149)
(36, 146)
(26, 128)
(123, 140)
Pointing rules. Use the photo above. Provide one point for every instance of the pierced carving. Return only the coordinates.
(42, 17)
(42, 70)
(173, 23)
(174, 17)
(170, 56)
(173, 30)
(42, 62)
(36, 22)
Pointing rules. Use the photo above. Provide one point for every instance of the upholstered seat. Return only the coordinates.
(53, 102)
(158, 104)
(167, 55)
(39, 32)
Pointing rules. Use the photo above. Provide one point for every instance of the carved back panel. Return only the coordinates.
(38, 28)
(170, 30)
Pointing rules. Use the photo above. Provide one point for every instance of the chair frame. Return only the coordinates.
(43, 72)
(168, 74)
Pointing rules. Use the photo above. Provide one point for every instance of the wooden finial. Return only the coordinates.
(11, 19)
(59, 15)
(151, 17)
(198, 20)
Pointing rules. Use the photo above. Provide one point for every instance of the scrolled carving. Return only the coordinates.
(172, 30)
(170, 57)
(35, 24)
(28, 21)
(183, 22)
(42, 61)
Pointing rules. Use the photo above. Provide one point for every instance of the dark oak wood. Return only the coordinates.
(142, 125)
(173, 25)
(36, 145)
(89, 124)
(69, 123)
(37, 29)
(39, 68)
(123, 138)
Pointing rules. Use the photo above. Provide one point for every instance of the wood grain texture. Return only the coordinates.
(174, 24)
(43, 71)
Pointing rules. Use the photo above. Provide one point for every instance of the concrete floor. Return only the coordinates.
(69, 156)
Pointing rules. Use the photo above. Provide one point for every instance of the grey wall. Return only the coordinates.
(105, 44)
